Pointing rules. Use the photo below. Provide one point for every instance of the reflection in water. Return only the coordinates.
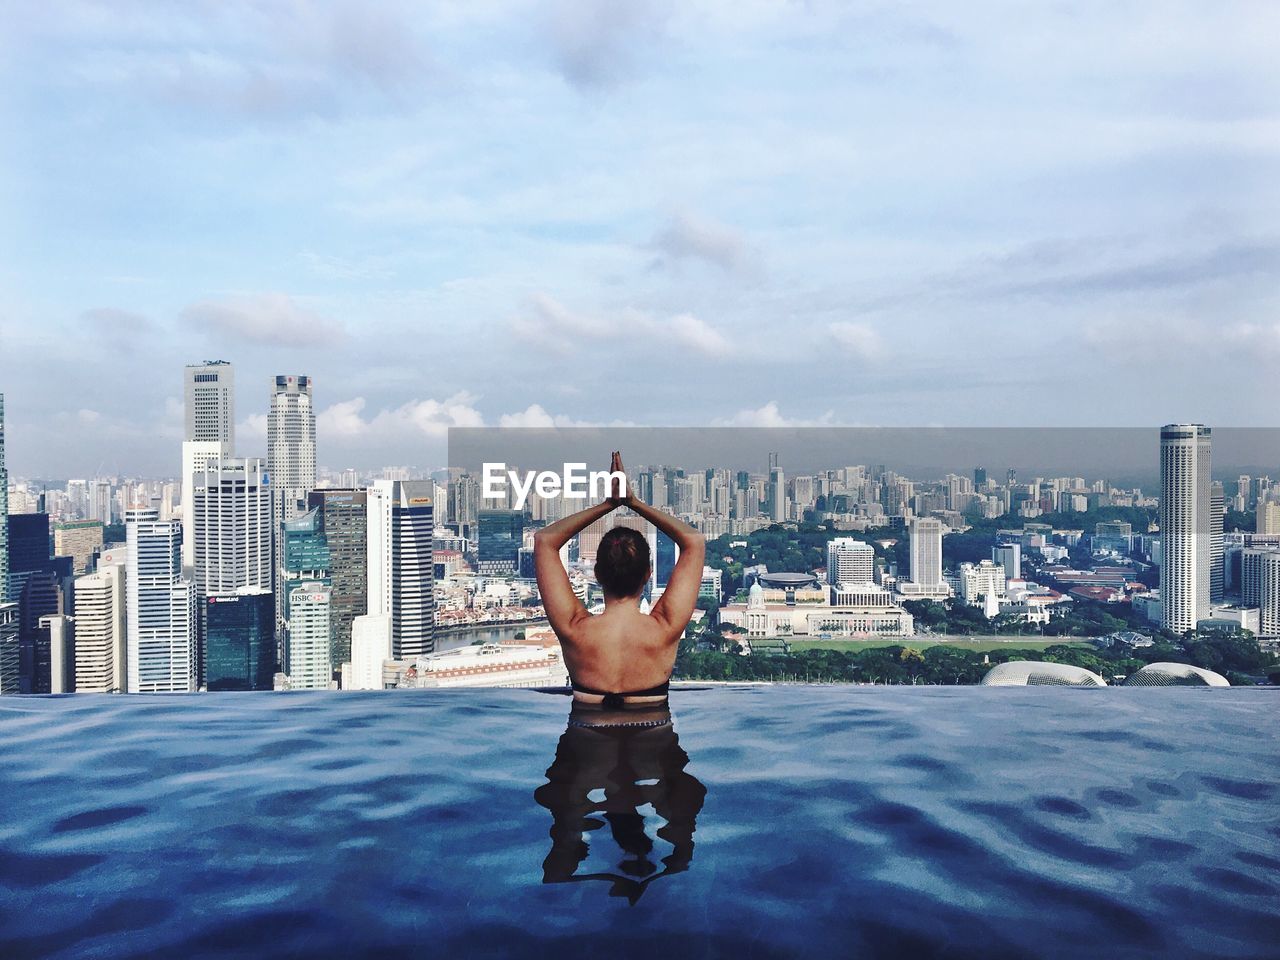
(602, 775)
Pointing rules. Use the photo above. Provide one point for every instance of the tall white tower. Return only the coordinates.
(231, 529)
(1185, 525)
(291, 467)
(161, 608)
(232, 519)
(401, 578)
(100, 631)
(926, 551)
(850, 561)
(291, 440)
(209, 436)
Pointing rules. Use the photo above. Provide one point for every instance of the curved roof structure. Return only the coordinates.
(1175, 675)
(1039, 673)
(790, 580)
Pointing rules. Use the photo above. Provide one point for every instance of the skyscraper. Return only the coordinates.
(926, 551)
(161, 645)
(1009, 556)
(100, 631)
(1217, 519)
(344, 519)
(303, 578)
(240, 640)
(210, 402)
(850, 561)
(209, 434)
(307, 660)
(231, 517)
(4, 521)
(1185, 526)
(370, 648)
(291, 466)
(501, 533)
(10, 656)
(401, 577)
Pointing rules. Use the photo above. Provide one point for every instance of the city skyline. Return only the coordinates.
(819, 213)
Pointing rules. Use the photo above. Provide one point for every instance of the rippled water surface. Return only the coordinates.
(786, 821)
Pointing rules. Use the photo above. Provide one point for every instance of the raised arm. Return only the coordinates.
(675, 607)
(558, 599)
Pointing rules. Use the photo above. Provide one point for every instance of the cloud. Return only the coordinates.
(771, 416)
(1183, 339)
(552, 325)
(257, 61)
(684, 238)
(430, 418)
(599, 44)
(270, 318)
(112, 323)
(535, 415)
(857, 339)
(252, 427)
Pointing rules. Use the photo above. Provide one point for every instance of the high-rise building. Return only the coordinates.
(926, 551)
(401, 577)
(240, 640)
(1217, 541)
(1268, 515)
(42, 596)
(777, 491)
(100, 631)
(370, 648)
(1185, 526)
(307, 658)
(29, 549)
(161, 613)
(1269, 594)
(303, 577)
(79, 540)
(210, 402)
(10, 654)
(231, 516)
(59, 628)
(665, 554)
(1009, 556)
(209, 434)
(850, 561)
(291, 465)
(4, 525)
(501, 534)
(344, 519)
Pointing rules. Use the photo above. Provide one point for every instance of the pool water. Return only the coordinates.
(785, 821)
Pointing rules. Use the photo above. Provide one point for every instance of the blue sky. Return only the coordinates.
(694, 213)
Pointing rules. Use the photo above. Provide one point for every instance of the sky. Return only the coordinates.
(695, 213)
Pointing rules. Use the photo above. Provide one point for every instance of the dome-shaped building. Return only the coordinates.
(1175, 675)
(1040, 673)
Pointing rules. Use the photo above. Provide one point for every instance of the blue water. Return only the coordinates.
(788, 821)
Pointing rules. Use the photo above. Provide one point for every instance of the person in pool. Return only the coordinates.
(620, 658)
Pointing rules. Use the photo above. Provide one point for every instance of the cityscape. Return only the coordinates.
(251, 573)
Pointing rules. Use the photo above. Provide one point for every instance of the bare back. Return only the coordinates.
(620, 649)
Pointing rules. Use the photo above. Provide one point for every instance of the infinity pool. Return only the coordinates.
(771, 822)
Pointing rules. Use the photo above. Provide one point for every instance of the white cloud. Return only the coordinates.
(430, 418)
(552, 325)
(685, 237)
(857, 339)
(771, 416)
(252, 427)
(88, 417)
(265, 318)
